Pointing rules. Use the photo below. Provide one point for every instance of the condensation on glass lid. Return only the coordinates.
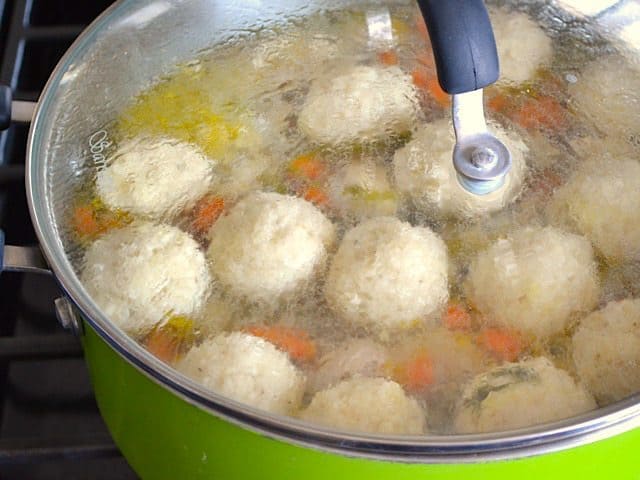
(279, 219)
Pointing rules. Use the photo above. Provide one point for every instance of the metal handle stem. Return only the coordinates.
(480, 159)
(468, 114)
(22, 111)
(21, 259)
(24, 259)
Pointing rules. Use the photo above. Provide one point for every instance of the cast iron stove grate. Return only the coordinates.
(50, 427)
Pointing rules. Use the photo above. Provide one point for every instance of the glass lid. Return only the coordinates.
(255, 203)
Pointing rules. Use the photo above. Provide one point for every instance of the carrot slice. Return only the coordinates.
(457, 317)
(388, 57)
(415, 373)
(168, 340)
(316, 196)
(84, 222)
(503, 344)
(531, 113)
(89, 220)
(428, 82)
(541, 112)
(307, 166)
(420, 78)
(498, 103)
(206, 212)
(294, 341)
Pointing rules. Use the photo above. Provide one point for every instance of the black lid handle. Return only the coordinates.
(463, 44)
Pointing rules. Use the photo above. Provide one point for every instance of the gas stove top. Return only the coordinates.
(50, 427)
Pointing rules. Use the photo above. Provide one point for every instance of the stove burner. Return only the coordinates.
(50, 427)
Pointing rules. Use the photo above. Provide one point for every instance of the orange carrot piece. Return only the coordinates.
(498, 103)
(316, 196)
(388, 57)
(457, 317)
(92, 219)
(84, 221)
(162, 345)
(168, 340)
(294, 341)
(542, 112)
(420, 78)
(415, 373)
(206, 212)
(438, 93)
(503, 344)
(307, 166)
(428, 82)
(539, 112)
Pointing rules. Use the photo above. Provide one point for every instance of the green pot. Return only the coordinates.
(167, 426)
(164, 437)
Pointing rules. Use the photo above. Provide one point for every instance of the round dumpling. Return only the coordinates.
(424, 171)
(522, 45)
(362, 105)
(602, 201)
(247, 369)
(606, 350)
(517, 395)
(154, 177)
(269, 245)
(388, 273)
(372, 405)
(608, 93)
(360, 189)
(140, 274)
(286, 56)
(534, 280)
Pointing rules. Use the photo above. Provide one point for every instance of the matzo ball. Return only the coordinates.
(269, 245)
(606, 350)
(372, 405)
(361, 105)
(534, 280)
(143, 273)
(517, 395)
(388, 274)
(155, 177)
(424, 171)
(247, 369)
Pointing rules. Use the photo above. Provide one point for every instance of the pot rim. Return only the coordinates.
(551, 437)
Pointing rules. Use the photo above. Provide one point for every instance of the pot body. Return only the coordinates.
(165, 437)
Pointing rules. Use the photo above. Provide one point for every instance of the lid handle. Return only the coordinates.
(463, 44)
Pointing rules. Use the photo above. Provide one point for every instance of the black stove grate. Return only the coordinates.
(50, 427)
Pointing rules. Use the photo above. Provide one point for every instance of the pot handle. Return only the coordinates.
(463, 44)
(21, 259)
(31, 260)
(13, 110)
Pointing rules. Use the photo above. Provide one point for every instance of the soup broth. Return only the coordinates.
(279, 219)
